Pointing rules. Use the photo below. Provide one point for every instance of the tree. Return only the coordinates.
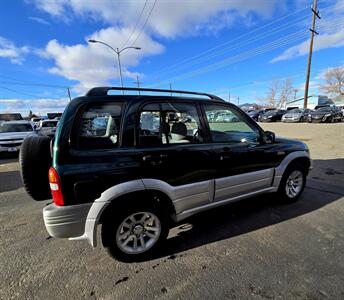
(30, 114)
(334, 82)
(279, 93)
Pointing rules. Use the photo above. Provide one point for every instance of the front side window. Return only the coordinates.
(227, 125)
(169, 123)
(99, 126)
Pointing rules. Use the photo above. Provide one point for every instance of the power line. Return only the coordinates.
(250, 53)
(18, 92)
(144, 25)
(204, 56)
(137, 23)
(232, 40)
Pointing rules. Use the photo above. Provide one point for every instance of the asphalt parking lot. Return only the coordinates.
(255, 249)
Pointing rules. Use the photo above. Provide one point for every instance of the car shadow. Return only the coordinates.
(253, 214)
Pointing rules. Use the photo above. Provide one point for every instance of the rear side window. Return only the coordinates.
(99, 126)
(169, 123)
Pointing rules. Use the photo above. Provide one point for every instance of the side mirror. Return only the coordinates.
(269, 137)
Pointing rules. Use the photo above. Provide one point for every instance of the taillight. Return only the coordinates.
(55, 187)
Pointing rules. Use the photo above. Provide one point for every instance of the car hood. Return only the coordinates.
(320, 113)
(294, 145)
(14, 135)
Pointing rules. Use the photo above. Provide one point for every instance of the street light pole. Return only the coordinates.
(118, 52)
(119, 67)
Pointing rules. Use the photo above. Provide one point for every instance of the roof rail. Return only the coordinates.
(103, 91)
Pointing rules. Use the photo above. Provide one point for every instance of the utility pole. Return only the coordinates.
(138, 82)
(229, 96)
(315, 15)
(171, 88)
(238, 100)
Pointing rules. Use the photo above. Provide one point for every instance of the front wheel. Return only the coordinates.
(292, 184)
(134, 234)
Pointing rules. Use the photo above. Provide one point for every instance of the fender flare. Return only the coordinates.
(279, 171)
(99, 205)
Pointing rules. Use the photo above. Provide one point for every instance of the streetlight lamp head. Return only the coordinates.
(137, 48)
(92, 41)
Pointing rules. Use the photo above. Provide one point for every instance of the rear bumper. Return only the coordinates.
(66, 221)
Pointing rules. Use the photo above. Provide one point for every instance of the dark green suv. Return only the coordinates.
(137, 163)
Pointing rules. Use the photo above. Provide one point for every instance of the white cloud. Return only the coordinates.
(331, 34)
(95, 64)
(10, 51)
(169, 18)
(39, 20)
(323, 41)
(38, 106)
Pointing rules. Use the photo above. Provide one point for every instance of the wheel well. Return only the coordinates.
(151, 197)
(301, 161)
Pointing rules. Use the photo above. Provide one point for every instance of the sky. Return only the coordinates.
(223, 47)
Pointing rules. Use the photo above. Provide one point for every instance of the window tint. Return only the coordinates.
(49, 124)
(99, 126)
(226, 125)
(169, 123)
(4, 127)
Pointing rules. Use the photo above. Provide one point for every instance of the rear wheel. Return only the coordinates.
(35, 161)
(292, 183)
(135, 233)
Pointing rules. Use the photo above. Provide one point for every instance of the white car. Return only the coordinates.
(48, 127)
(12, 134)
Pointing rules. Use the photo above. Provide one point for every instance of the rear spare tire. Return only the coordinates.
(35, 161)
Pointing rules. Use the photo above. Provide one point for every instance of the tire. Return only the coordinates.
(332, 120)
(285, 191)
(113, 228)
(35, 161)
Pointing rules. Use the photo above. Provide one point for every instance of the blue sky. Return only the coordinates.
(214, 46)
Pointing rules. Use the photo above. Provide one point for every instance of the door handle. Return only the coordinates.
(225, 156)
(154, 159)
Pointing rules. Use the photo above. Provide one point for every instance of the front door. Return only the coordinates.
(174, 154)
(242, 164)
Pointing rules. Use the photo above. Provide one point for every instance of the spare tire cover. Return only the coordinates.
(35, 161)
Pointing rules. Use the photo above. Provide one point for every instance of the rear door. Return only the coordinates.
(172, 149)
(96, 160)
(243, 163)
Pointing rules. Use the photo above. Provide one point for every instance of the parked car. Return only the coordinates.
(12, 134)
(325, 114)
(254, 114)
(47, 127)
(272, 115)
(296, 115)
(152, 161)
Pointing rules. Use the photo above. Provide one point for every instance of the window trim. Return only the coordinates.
(248, 120)
(194, 102)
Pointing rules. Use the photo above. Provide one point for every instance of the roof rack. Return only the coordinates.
(103, 91)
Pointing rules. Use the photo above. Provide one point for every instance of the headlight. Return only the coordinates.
(269, 116)
(327, 115)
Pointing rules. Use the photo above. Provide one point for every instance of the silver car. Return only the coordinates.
(12, 134)
(296, 115)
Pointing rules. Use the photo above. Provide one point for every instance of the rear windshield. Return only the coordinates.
(49, 124)
(99, 126)
(15, 127)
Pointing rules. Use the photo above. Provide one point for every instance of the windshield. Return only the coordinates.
(271, 112)
(295, 111)
(49, 124)
(324, 109)
(15, 127)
